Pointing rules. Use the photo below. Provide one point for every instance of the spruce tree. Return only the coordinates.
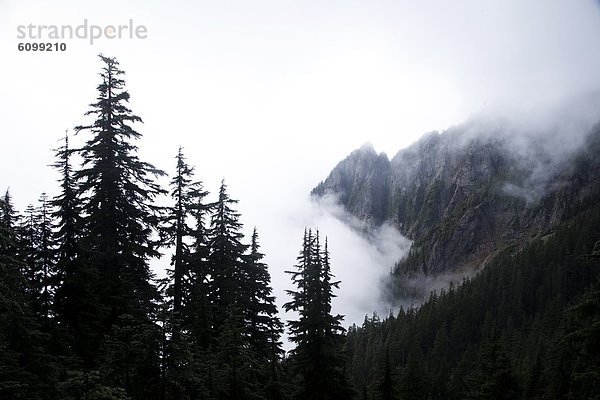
(263, 323)
(27, 371)
(178, 234)
(37, 251)
(318, 357)
(197, 319)
(66, 206)
(198, 315)
(264, 328)
(28, 239)
(13, 306)
(227, 296)
(75, 301)
(46, 258)
(118, 192)
(226, 258)
(176, 229)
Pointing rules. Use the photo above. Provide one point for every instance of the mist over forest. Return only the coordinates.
(300, 200)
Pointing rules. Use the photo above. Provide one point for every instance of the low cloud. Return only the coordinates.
(537, 138)
(412, 290)
(362, 257)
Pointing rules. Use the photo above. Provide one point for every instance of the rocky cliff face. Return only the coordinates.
(464, 194)
(360, 183)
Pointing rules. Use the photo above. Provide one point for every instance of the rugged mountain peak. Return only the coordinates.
(360, 182)
(367, 147)
(460, 195)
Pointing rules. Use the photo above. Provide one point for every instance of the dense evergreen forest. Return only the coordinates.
(83, 317)
(526, 327)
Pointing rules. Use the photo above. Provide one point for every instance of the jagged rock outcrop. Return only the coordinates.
(360, 183)
(464, 194)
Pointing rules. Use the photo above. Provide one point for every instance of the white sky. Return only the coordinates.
(272, 94)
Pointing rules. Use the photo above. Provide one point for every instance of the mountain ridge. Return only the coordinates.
(464, 194)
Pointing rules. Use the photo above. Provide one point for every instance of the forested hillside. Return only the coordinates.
(525, 325)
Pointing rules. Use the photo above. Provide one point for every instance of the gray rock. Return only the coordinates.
(461, 195)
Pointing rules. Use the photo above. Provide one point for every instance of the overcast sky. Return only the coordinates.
(270, 95)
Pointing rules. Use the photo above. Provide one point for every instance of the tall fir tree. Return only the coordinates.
(119, 193)
(176, 229)
(264, 328)
(27, 370)
(27, 236)
(75, 300)
(199, 312)
(226, 258)
(66, 207)
(46, 258)
(13, 307)
(227, 288)
(318, 357)
(73, 296)
(180, 236)
(198, 316)
(8, 232)
(120, 218)
(261, 317)
(37, 251)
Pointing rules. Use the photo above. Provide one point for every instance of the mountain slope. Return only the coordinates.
(467, 193)
(536, 307)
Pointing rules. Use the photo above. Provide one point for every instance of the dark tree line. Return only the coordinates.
(83, 317)
(526, 327)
